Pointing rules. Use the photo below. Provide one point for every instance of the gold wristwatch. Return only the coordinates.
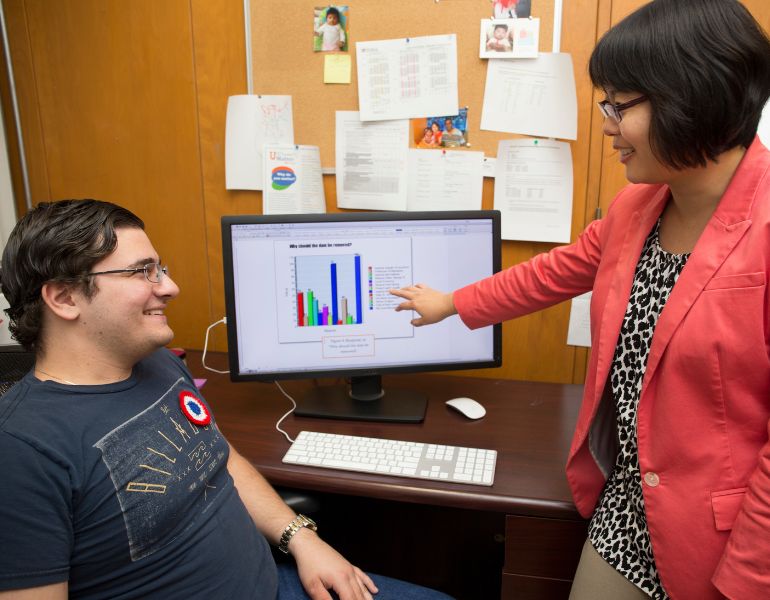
(291, 530)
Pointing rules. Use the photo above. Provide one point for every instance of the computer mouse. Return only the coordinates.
(467, 407)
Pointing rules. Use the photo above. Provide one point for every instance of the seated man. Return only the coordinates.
(117, 481)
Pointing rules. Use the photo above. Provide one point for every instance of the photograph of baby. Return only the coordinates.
(441, 132)
(497, 36)
(509, 38)
(330, 24)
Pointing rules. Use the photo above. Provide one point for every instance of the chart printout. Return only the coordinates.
(407, 77)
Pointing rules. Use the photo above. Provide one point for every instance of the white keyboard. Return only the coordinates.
(453, 464)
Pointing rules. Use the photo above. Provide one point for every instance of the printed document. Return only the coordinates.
(293, 180)
(371, 162)
(532, 97)
(407, 77)
(763, 131)
(444, 180)
(252, 122)
(533, 190)
(579, 330)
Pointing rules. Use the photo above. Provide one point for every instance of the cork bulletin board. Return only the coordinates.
(283, 60)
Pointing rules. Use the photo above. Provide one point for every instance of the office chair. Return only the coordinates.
(15, 363)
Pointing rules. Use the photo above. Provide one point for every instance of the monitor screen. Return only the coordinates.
(307, 296)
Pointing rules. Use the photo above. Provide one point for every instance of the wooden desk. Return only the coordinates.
(525, 525)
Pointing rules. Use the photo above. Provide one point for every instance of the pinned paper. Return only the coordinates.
(532, 97)
(407, 77)
(337, 68)
(371, 162)
(489, 167)
(763, 131)
(444, 180)
(293, 180)
(533, 190)
(252, 122)
(579, 331)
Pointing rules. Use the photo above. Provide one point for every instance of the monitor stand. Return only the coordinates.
(364, 400)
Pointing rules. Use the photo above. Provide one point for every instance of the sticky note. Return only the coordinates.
(337, 68)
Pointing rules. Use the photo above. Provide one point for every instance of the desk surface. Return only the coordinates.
(529, 424)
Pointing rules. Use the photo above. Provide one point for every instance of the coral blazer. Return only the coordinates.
(704, 407)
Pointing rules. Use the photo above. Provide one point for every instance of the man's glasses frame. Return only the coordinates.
(153, 272)
(615, 111)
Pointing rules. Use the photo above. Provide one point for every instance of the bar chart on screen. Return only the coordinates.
(328, 290)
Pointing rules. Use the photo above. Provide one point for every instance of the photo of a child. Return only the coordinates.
(509, 38)
(499, 40)
(329, 25)
(427, 139)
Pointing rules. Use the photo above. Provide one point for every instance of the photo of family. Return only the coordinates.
(330, 24)
(441, 132)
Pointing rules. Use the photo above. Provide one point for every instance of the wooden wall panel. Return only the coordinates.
(29, 109)
(112, 85)
(220, 61)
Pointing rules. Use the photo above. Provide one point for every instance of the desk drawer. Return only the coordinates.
(548, 548)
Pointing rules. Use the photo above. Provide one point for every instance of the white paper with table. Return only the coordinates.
(533, 190)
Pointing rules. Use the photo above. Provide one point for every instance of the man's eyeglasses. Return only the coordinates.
(615, 111)
(153, 272)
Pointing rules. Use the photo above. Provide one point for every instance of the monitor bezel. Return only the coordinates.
(228, 221)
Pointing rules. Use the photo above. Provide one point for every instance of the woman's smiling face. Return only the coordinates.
(631, 138)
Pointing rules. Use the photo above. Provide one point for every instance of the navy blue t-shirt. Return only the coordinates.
(112, 488)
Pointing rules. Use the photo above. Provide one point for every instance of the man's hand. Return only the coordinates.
(322, 568)
(432, 306)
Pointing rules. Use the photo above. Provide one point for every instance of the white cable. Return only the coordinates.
(205, 366)
(293, 408)
(206, 345)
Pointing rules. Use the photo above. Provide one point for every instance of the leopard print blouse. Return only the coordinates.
(618, 528)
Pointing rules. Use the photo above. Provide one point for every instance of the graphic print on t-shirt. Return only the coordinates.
(162, 467)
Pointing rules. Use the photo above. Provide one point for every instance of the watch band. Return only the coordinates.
(291, 530)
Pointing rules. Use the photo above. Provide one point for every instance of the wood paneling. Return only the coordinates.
(29, 109)
(110, 87)
(220, 62)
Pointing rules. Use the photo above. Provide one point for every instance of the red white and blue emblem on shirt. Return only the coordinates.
(195, 411)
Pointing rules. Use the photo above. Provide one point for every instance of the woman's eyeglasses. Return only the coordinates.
(615, 111)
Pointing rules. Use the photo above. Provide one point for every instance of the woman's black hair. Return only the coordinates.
(704, 66)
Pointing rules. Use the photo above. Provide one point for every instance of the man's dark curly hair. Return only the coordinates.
(56, 241)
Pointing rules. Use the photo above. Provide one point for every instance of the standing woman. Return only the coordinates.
(670, 459)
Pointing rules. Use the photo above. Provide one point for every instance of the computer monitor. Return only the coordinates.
(307, 296)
